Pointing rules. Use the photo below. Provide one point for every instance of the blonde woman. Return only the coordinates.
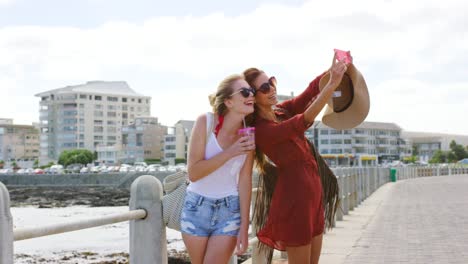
(215, 217)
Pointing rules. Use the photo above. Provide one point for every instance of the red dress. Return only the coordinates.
(296, 213)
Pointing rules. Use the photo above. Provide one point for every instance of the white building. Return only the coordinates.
(427, 144)
(370, 143)
(87, 115)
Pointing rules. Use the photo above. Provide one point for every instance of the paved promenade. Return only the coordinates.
(421, 220)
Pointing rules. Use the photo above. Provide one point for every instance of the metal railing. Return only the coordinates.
(148, 243)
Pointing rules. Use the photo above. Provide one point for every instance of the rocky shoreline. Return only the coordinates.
(50, 197)
(91, 257)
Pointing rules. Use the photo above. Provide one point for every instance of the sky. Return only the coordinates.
(413, 54)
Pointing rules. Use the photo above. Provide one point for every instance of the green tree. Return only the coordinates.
(48, 165)
(36, 163)
(2, 163)
(81, 156)
(15, 166)
(152, 161)
(458, 151)
(439, 157)
(177, 161)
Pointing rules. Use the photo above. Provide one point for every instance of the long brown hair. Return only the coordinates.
(267, 174)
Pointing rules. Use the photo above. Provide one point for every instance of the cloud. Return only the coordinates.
(6, 2)
(408, 53)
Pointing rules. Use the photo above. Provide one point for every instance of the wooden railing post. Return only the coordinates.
(6, 227)
(148, 243)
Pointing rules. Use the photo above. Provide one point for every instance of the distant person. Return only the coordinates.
(215, 217)
(292, 205)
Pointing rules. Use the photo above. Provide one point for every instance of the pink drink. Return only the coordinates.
(247, 131)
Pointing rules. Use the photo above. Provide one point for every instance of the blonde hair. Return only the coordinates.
(223, 92)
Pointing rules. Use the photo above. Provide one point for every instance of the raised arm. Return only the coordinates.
(337, 71)
(300, 103)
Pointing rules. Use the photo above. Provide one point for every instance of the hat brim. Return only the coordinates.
(357, 112)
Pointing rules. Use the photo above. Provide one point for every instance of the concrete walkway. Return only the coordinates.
(421, 220)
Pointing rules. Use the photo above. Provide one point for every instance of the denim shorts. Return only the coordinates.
(203, 216)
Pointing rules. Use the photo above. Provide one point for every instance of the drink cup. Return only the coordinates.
(247, 131)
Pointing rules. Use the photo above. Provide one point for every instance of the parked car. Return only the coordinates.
(74, 168)
(56, 169)
(38, 171)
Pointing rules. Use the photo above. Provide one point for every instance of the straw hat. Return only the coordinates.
(350, 103)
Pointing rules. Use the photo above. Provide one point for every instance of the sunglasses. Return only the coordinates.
(245, 92)
(266, 87)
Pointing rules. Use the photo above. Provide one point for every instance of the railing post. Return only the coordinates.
(148, 243)
(257, 256)
(6, 227)
(339, 212)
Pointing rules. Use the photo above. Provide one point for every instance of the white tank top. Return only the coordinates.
(223, 181)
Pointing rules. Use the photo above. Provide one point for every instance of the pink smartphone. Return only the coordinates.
(343, 55)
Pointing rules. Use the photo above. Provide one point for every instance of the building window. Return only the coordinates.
(139, 101)
(336, 151)
(98, 129)
(82, 96)
(335, 132)
(112, 99)
(111, 114)
(139, 140)
(124, 99)
(347, 141)
(324, 141)
(336, 141)
(324, 132)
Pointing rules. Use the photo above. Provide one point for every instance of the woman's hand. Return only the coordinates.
(242, 146)
(242, 241)
(337, 70)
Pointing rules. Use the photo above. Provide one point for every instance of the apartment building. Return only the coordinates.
(176, 141)
(18, 143)
(87, 116)
(143, 140)
(426, 144)
(370, 143)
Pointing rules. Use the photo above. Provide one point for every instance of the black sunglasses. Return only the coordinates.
(266, 87)
(245, 92)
